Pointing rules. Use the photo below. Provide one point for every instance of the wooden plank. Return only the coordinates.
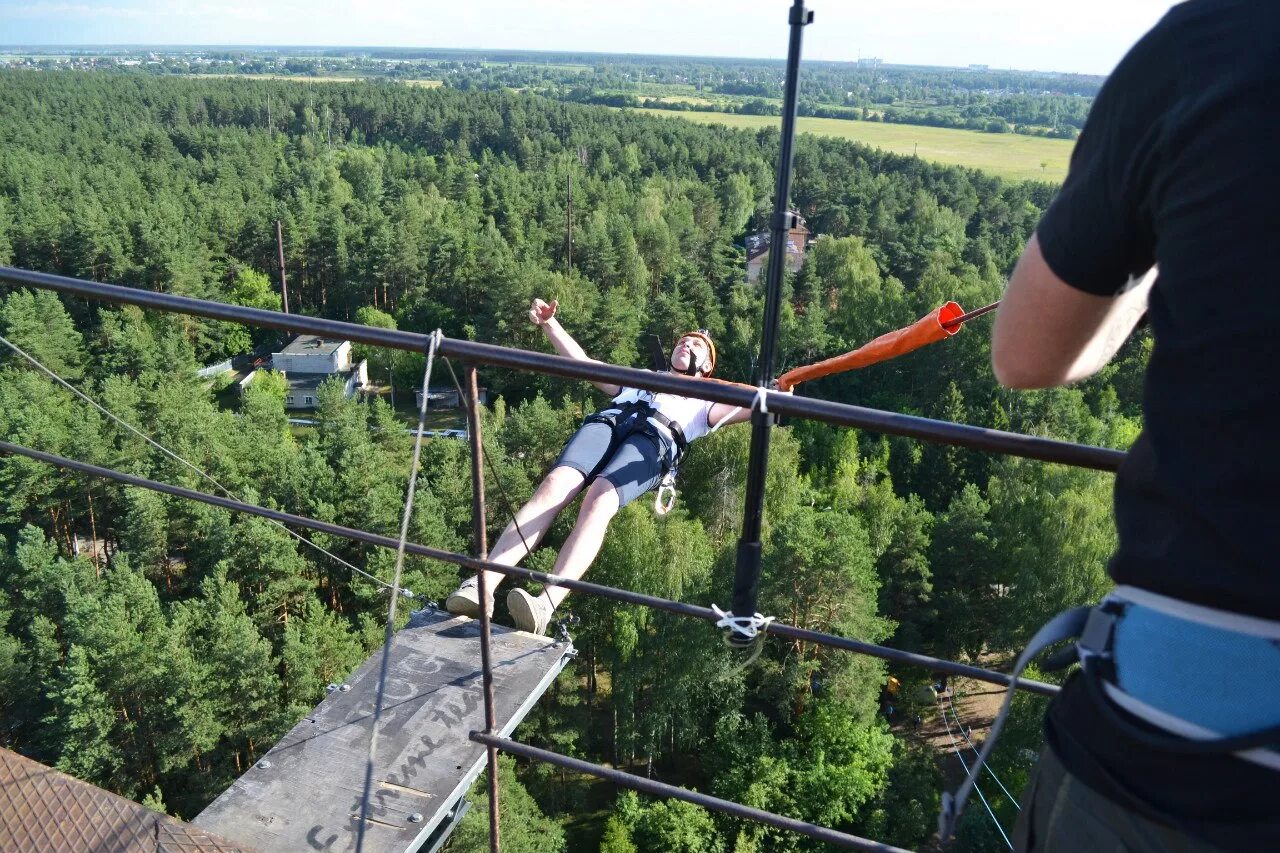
(305, 793)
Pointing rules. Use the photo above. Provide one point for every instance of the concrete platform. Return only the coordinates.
(305, 793)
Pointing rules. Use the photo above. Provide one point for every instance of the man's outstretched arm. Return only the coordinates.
(544, 315)
(1049, 333)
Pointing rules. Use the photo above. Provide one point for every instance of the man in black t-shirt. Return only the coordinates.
(1178, 168)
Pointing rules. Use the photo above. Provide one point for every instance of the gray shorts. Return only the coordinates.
(633, 468)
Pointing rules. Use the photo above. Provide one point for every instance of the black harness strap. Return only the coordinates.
(638, 416)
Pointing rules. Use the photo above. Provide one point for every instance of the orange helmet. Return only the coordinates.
(705, 337)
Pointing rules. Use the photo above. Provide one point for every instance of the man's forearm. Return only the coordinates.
(1049, 333)
(563, 342)
(1114, 330)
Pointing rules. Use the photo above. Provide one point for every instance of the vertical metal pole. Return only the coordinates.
(480, 544)
(746, 582)
(284, 285)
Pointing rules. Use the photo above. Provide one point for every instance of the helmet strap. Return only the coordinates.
(694, 369)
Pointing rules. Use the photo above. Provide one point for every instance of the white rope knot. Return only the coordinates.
(761, 402)
(746, 627)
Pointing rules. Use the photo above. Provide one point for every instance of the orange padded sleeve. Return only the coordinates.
(928, 329)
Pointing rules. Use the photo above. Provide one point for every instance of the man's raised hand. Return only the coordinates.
(540, 312)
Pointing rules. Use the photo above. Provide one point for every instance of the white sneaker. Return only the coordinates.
(465, 600)
(530, 613)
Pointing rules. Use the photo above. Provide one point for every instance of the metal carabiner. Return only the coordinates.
(660, 506)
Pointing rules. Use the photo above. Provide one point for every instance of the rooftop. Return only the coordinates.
(43, 809)
(758, 244)
(312, 345)
(304, 794)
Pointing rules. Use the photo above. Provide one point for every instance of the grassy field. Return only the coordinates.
(1006, 154)
(678, 99)
(425, 84)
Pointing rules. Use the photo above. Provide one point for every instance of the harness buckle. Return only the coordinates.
(667, 487)
(1096, 640)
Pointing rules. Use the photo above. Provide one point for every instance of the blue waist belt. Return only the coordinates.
(1221, 679)
(1194, 671)
(1207, 677)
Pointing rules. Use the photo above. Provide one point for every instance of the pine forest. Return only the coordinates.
(157, 647)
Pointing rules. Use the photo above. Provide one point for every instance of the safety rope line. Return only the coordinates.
(389, 641)
(955, 746)
(952, 705)
(502, 491)
(192, 467)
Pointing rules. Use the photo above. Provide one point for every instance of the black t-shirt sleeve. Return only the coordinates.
(1096, 233)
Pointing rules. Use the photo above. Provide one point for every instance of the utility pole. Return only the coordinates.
(568, 225)
(568, 222)
(284, 285)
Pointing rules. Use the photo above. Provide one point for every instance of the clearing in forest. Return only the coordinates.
(1009, 155)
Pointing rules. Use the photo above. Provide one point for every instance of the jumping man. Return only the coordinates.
(617, 455)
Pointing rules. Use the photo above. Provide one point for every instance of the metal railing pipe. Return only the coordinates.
(480, 543)
(706, 801)
(840, 414)
(677, 607)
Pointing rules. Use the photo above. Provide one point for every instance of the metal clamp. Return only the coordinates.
(784, 221)
(799, 15)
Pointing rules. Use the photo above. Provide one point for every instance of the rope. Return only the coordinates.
(963, 764)
(959, 726)
(395, 586)
(502, 490)
(181, 461)
(1066, 625)
(743, 631)
(760, 402)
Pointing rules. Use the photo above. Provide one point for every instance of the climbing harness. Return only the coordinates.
(639, 416)
(1163, 642)
(1143, 651)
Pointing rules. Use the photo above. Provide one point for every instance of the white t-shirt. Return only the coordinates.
(692, 414)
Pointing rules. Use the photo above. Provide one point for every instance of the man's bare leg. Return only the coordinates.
(598, 508)
(556, 491)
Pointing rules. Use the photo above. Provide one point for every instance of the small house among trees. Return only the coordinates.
(309, 360)
(758, 249)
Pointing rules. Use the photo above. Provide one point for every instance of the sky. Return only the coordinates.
(1086, 36)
